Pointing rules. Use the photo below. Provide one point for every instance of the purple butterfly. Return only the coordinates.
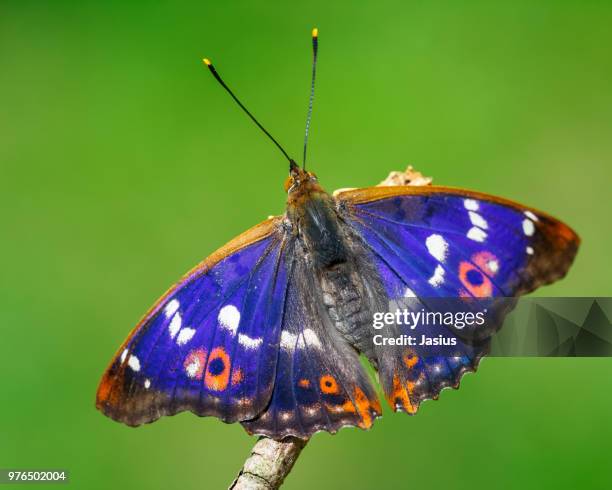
(267, 331)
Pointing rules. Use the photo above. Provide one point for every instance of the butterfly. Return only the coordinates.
(268, 330)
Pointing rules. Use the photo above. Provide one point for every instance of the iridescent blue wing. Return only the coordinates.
(210, 344)
(320, 383)
(439, 242)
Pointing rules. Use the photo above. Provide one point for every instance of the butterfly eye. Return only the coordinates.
(312, 177)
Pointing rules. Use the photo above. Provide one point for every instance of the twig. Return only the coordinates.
(271, 461)
(409, 176)
(269, 464)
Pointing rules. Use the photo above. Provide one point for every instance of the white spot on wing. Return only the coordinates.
(193, 367)
(478, 220)
(438, 277)
(437, 246)
(531, 216)
(171, 308)
(123, 355)
(470, 204)
(311, 410)
(311, 338)
(493, 265)
(409, 293)
(249, 342)
(185, 335)
(229, 318)
(529, 250)
(134, 363)
(175, 324)
(147, 383)
(288, 340)
(476, 234)
(528, 227)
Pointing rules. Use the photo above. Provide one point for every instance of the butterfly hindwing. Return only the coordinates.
(436, 242)
(210, 344)
(320, 383)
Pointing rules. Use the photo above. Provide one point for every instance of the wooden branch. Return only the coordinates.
(271, 461)
(269, 464)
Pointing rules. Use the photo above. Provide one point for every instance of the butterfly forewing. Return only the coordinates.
(517, 247)
(210, 345)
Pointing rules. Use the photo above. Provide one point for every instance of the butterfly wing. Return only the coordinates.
(210, 344)
(320, 383)
(440, 242)
(532, 248)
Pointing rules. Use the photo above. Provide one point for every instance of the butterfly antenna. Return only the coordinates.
(210, 66)
(315, 49)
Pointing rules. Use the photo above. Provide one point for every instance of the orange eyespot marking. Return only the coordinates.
(487, 261)
(363, 408)
(304, 383)
(237, 376)
(217, 370)
(328, 385)
(194, 363)
(478, 284)
(410, 360)
(401, 395)
(288, 183)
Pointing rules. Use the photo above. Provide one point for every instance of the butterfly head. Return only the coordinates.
(300, 183)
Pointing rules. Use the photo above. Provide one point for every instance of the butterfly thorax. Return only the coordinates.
(314, 219)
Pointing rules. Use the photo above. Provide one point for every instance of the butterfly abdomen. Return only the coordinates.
(346, 305)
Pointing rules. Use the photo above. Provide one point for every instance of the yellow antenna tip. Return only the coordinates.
(315, 32)
(206, 61)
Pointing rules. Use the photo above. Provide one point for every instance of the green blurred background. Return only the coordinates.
(123, 164)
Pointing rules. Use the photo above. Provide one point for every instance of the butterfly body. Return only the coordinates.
(335, 260)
